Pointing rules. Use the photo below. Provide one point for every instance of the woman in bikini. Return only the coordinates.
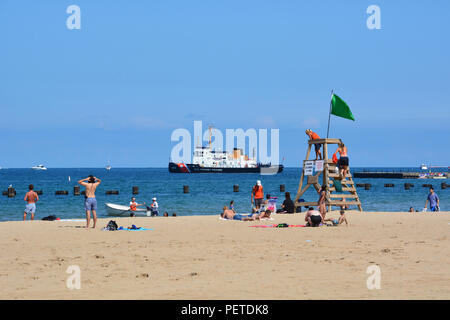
(322, 196)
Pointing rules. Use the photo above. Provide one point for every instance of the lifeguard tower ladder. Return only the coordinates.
(348, 197)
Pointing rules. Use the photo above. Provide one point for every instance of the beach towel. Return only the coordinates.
(337, 185)
(277, 226)
(131, 229)
(220, 218)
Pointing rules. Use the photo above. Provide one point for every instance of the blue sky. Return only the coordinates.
(136, 70)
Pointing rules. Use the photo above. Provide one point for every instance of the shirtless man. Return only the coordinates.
(343, 160)
(90, 204)
(31, 198)
(313, 136)
(230, 214)
(313, 217)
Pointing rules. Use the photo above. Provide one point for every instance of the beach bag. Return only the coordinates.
(282, 225)
(111, 226)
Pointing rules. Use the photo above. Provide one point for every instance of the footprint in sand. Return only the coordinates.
(143, 275)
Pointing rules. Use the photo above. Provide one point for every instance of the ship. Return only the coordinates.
(207, 160)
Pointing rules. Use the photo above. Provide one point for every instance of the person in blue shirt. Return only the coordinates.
(434, 201)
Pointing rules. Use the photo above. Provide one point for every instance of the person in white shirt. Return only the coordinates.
(154, 207)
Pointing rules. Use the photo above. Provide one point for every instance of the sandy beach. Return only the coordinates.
(202, 257)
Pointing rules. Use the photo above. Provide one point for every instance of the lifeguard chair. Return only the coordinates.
(329, 173)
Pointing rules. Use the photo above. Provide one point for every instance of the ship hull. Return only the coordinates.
(195, 168)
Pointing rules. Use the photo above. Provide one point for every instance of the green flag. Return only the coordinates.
(340, 108)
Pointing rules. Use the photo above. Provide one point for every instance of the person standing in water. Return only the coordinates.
(31, 198)
(434, 201)
(90, 204)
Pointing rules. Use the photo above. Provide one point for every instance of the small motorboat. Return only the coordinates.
(39, 167)
(120, 210)
(423, 166)
(108, 167)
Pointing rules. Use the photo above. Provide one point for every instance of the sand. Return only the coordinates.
(202, 257)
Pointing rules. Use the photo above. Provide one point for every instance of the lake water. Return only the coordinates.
(208, 192)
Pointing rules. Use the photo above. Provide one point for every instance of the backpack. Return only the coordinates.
(111, 226)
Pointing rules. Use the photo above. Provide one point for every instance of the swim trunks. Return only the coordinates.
(434, 209)
(343, 161)
(316, 220)
(154, 213)
(90, 204)
(30, 208)
(258, 202)
(237, 217)
(317, 146)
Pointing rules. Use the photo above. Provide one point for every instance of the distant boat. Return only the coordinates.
(120, 210)
(108, 167)
(423, 167)
(39, 167)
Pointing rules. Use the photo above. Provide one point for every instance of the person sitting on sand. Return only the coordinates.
(341, 219)
(231, 215)
(269, 204)
(411, 209)
(165, 214)
(313, 217)
(265, 214)
(288, 205)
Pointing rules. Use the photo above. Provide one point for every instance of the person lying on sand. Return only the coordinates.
(265, 214)
(231, 215)
(313, 217)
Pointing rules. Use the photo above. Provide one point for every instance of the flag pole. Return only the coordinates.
(329, 114)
